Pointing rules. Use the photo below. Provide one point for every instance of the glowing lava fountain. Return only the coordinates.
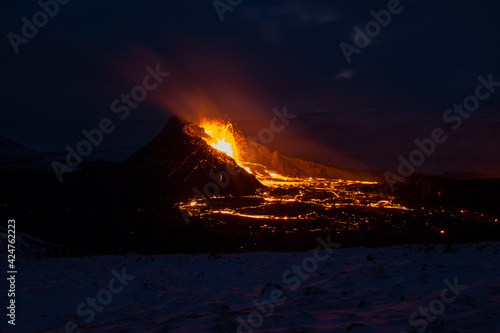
(221, 136)
(295, 189)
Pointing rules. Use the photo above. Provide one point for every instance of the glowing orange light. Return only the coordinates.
(442, 231)
(221, 138)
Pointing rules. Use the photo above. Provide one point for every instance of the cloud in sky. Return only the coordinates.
(345, 74)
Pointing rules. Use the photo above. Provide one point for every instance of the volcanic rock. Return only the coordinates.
(290, 166)
(179, 164)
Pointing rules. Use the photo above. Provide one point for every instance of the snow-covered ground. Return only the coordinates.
(347, 290)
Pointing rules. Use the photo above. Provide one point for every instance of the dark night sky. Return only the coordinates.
(265, 54)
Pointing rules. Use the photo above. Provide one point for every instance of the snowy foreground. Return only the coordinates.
(347, 290)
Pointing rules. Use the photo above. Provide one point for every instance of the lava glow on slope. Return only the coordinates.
(337, 204)
(222, 136)
(288, 198)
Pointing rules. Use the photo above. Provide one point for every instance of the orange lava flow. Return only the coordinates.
(317, 198)
(222, 136)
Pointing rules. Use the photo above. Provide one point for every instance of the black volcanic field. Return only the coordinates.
(109, 208)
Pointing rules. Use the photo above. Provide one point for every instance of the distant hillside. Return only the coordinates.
(14, 156)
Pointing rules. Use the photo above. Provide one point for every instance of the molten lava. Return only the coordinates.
(346, 204)
(222, 137)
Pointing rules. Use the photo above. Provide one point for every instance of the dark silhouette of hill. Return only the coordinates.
(178, 164)
(14, 156)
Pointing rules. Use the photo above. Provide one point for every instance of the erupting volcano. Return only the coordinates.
(241, 166)
(207, 181)
(286, 188)
(265, 164)
(294, 188)
(222, 137)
